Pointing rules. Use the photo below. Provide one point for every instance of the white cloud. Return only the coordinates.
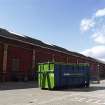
(100, 12)
(86, 24)
(99, 35)
(96, 52)
(100, 39)
(102, 60)
(96, 26)
(96, 20)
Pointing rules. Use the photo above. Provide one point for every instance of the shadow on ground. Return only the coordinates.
(18, 85)
(34, 84)
(90, 89)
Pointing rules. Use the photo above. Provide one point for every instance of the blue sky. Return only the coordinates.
(52, 21)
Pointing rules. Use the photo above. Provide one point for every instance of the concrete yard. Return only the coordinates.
(28, 93)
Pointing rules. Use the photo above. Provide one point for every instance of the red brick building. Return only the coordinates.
(19, 56)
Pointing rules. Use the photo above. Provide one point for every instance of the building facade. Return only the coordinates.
(19, 56)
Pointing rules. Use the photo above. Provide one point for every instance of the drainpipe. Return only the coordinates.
(5, 53)
(77, 61)
(98, 73)
(33, 59)
(33, 64)
(53, 57)
(67, 60)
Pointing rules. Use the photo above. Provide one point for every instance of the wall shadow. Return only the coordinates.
(18, 85)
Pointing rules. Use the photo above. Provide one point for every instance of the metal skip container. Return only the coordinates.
(57, 75)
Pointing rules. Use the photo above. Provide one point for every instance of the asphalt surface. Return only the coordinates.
(28, 93)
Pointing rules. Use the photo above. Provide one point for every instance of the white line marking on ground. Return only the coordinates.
(98, 101)
(91, 100)
(75, 99)
(95, 101)
(81, 100)
(56, 99)
(102, 103)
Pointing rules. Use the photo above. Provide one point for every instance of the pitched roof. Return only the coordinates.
(13, 36)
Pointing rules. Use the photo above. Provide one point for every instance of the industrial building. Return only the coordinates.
(19, 56)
